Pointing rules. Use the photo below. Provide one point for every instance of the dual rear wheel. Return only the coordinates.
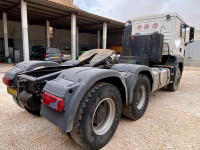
(100, 110)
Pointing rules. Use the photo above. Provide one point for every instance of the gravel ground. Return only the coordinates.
(172, 121)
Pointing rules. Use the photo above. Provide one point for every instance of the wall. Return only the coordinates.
(196, 35)
(192, 54)
(64, 2)
(192, 51)
(62, 38)
(114, 39)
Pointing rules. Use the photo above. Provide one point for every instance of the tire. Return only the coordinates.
(174, 86)
(140, 102)
(33, 112)
(90, 130)
(16, 101)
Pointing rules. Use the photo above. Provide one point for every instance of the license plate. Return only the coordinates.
(12, 91)
(54, 56)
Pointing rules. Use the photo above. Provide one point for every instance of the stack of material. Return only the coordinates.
(17, 56)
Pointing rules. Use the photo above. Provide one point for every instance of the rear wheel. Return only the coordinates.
(174, 86)
(33, 112)
(140, 99)
(97, 117)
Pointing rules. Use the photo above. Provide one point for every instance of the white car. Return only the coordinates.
(65, 55)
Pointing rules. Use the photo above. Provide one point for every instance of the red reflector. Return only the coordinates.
(6, 81)
(54, 102)
(45, 55)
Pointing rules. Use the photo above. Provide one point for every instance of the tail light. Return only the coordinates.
(6, 81)
(53, 102)
(61, 55)
(45, 55)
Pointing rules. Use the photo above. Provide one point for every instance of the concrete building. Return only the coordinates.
(192, 52)
(24, 24)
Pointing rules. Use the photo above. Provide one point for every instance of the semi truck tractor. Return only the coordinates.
(86, 97)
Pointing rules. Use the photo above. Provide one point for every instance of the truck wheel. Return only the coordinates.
(174, 86)
(140, 99)
(33, 112)
(16, 101)
(98, 116)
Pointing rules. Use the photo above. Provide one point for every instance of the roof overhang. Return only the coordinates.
(59, 15)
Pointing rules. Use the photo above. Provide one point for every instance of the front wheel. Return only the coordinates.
(97, 117)
(174, 86)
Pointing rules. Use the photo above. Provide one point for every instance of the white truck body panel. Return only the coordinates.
(161, 78)
(159, 23)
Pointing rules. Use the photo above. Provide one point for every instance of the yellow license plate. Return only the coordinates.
(12, 91)
(54, 56)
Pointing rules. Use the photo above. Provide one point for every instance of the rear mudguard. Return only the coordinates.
(131, 74)
(27, 66)
(24, 67)
(72, 85)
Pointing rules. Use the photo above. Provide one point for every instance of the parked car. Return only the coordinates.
(46, 54)
(65, 55)
(38, 52)
(53, 54)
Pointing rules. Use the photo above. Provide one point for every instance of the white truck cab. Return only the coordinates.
(171, 25)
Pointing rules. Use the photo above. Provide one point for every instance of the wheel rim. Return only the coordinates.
(103, 116)
(141, 96)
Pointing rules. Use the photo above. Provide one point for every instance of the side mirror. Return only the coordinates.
(191, 37)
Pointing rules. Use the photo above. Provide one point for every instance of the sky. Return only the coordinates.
(122, 10)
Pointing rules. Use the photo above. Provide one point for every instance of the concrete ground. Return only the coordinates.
(172, 121)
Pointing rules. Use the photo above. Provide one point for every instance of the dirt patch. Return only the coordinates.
(172, 121)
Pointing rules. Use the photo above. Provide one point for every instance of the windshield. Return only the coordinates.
(53, 51)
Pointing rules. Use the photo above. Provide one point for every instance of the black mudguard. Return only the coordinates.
(177, 61)
(27, 66)
(72, 85)
(22, 68)
(131, 74)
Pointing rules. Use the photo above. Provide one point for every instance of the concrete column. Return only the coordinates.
(104, 35)
(48, 33)
(73, 36)
(98, 39)
(77, 40)
(25, 30)
(5, 31)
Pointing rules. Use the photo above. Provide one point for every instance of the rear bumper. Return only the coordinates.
(53, 59)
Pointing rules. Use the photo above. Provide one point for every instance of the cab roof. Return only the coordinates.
(155, 16)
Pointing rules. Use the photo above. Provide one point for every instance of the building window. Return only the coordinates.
(51, 32)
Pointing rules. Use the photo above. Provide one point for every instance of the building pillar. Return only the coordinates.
(25, 30)
(77, 41)
(48, 33)
(73, 36)
(98, 39)
(5, 31)
(104, 35)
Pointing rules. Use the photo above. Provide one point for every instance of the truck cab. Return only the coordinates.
(171, 25)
